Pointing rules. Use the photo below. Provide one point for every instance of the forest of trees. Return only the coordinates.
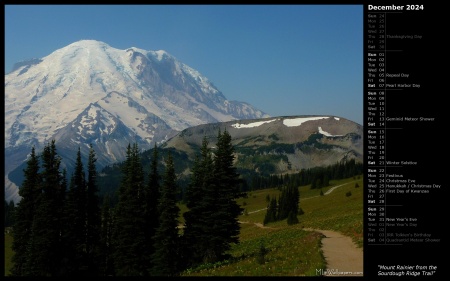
(61, 227)
(286, 207)
(317, 177)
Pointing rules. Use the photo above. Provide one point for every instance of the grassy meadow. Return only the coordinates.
(278, 249)
(291, 250)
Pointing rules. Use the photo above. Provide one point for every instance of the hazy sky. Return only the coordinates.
(282, 59)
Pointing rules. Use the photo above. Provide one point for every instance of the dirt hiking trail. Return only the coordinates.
(343, 257)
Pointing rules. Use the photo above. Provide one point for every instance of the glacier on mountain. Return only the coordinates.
(91, 93)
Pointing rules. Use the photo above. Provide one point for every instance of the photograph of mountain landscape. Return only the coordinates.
(183, 140)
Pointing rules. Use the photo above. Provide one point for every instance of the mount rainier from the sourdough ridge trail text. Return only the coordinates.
(91, 93)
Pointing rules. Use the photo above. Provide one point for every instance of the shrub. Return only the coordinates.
(292, 218)
(261, 258)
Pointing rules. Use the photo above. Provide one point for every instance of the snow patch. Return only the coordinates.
(251, 125)
(160, 54)
(327, 134)
(301, 120)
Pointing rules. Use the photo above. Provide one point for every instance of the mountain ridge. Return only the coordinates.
(279, 145)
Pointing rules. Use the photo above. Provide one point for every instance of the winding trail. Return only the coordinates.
(343, 257)
(328, 191)
(260, 225)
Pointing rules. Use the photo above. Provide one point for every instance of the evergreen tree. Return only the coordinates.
(93, 216)
(326, 181)
(152, 195)
(226, 227)
(271, 214)
(106, 262)
(9, 213)
(294, 198)
(75, 224)
(129, 233)
(283, 205)
(25, 210)
(288, 203)
(165, 258)
(212, 220)
(200, 201)
(261, 257)
(45, 249)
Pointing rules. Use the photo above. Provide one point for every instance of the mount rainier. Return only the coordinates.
(91, 93)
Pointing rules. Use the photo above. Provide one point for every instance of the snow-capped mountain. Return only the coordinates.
(90, 93)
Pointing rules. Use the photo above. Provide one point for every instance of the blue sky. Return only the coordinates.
(283, 59)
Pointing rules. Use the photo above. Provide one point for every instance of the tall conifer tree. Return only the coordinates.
(75, 221)
(152, 195)
(200, 199)
(212, 220)
(44, 249)
(165, 259)
(93, 216)
(271, 214)
(106, 262)
(129, 235)
(227, 190)
(24, 215)
(9, 213)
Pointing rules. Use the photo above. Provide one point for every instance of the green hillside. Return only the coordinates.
(291, 250)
